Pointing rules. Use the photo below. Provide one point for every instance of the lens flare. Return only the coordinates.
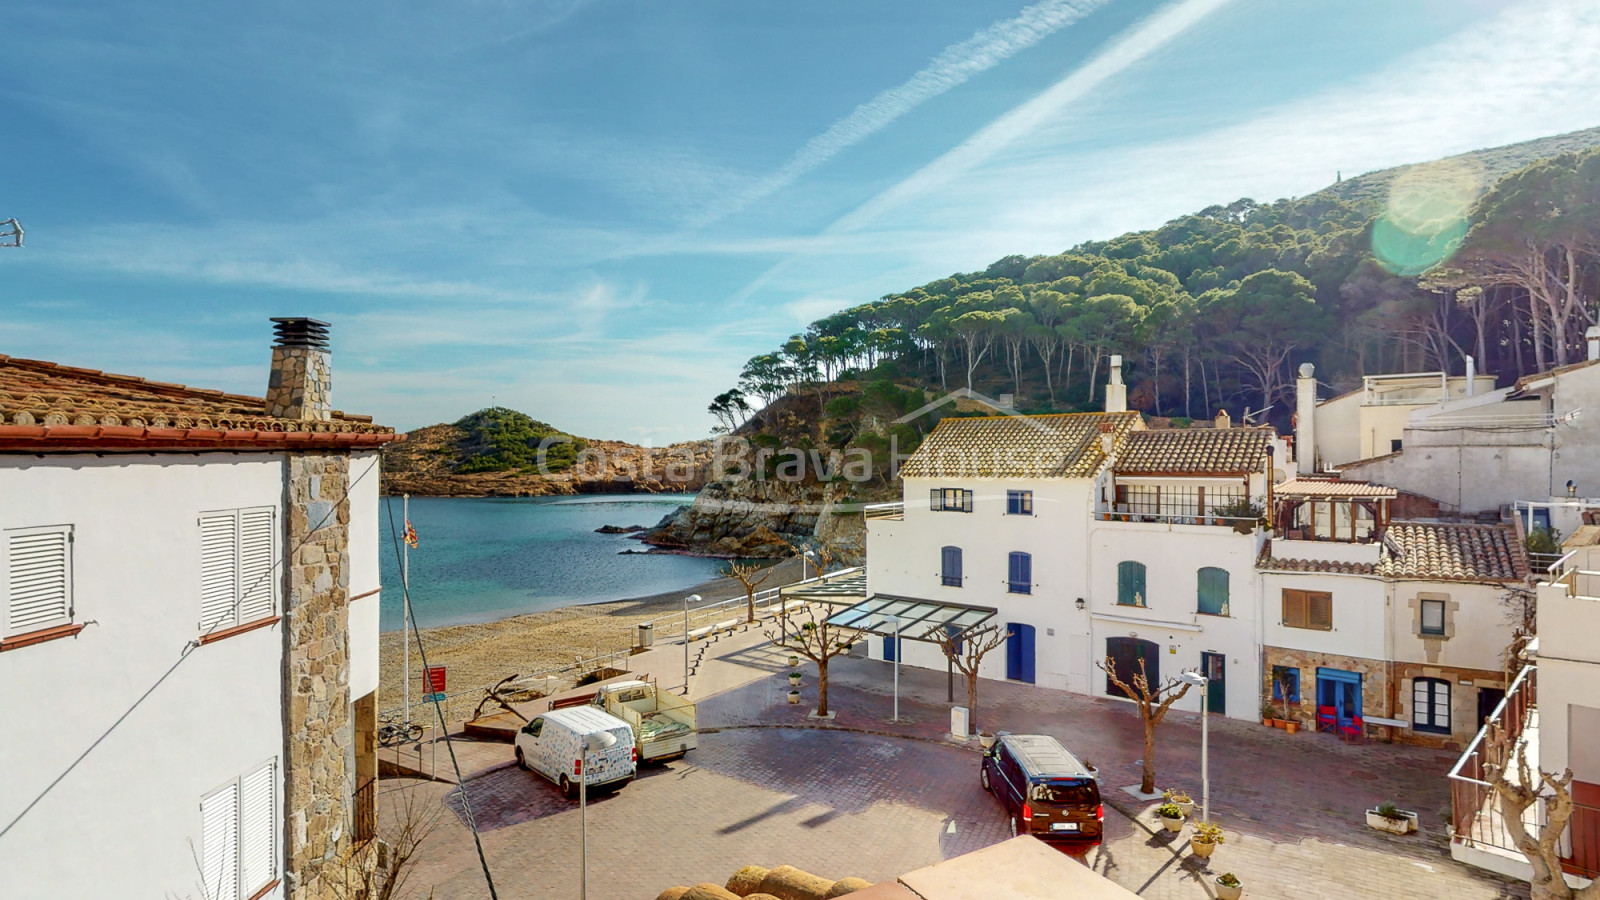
(1426, 215)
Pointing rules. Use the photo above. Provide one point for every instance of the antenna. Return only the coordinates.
(1249, 416)
(10, 233)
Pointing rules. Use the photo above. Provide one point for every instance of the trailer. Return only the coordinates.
(663, 724)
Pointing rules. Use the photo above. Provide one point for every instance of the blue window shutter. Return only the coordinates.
(1020, 572)
(955, 558)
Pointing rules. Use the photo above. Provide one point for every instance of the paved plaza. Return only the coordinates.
(863, 795)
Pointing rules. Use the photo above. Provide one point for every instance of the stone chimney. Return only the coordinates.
(1305, 420)
(1592, 337)
(1116, 391)
(1223, 420)
(301, 384)
(1472, 376)
(1108, 437)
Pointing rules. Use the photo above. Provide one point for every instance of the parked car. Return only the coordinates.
(551, 745)
(663, 724)
(1045, 790)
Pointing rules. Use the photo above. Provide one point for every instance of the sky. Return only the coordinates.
(594, 211)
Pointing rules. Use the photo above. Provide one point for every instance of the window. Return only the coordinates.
(1019, 503)
(1395, 445)
(1130, 584)
(1019, 577)
(38, 578)
(1213, 591)
(1433, 617)
(236, 567)
(950, 566)
(950, 500)
(1308, 609)
(1286, 678)
(238, 840)
(1430, 705)
(954, 632)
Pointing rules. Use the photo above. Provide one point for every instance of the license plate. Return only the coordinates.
(1063, 826)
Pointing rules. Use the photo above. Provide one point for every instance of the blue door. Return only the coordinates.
(1019, 652)
(889, 648)
(1339, 696)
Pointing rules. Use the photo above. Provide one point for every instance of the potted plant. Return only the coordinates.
(1395, 821)
(794, 696)
(1171, 816)
(794, 678)
(1287, 723)
(1183, 801)
(986, 740)
(1243, 515)
(1206, 838)
(794, 661)
(1094, 773)
(1268, 714)
(1228, 886)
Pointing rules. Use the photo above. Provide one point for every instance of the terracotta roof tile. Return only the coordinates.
(1181, 451)
(1309, 487)
(1266, 561)
(38, 398)
(1425, 551)
(1053, 446)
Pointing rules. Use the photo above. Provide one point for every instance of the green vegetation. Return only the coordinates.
(499, 439)
(1389, 272)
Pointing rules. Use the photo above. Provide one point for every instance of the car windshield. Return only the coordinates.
(1063, 792)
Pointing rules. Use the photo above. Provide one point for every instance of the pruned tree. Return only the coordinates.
(1517, 795)
(966, 651)
(816, 640)
(1153, 706)
(745, 574)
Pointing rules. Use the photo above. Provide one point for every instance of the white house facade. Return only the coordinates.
(188, 633)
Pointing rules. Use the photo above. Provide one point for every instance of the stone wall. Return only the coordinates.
(1464, 722)
(301, 384)
(317, 708)
(1374, 681)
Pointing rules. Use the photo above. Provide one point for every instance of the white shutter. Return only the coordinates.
(219, 844)
(255, 564)
(39, 583)
(258, 828)
(219, 568)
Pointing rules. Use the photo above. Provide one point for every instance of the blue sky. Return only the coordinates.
(595, 210)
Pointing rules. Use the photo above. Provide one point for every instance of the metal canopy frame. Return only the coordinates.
(850, 588)
(917, 617)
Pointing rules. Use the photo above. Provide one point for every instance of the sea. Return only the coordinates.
(481, 559)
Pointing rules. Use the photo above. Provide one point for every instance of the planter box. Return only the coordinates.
(1202, 849)
(794, 696)
(1393, 826)
(1228, 892)
(1172, 824)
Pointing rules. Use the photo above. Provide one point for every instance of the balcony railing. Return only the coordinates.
(364, 812)
(1124, 513)
(1578, 582)
(890, 511)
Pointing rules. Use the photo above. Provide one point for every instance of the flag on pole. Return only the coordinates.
(411, 535)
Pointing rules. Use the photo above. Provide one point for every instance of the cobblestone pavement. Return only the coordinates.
(865, 796)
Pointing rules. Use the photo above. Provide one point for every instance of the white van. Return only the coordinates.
(551, 745)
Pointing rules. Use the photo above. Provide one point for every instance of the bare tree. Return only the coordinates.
(745, 574)
(817, 641)
(966, 651)
(1153, 706)
(1517, 796)
(382, 872)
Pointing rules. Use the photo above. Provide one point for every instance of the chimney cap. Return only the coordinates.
(300, 332)
(1307, 370)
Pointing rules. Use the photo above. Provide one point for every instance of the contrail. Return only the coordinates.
(955, 65)
(1133, 45)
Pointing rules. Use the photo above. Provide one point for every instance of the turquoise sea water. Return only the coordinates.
(482, 559)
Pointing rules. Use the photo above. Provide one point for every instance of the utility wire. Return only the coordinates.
(438, 709)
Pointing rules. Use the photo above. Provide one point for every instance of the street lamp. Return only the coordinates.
(593, 743)
(1195, 678)
(896, 667)
(696, 599)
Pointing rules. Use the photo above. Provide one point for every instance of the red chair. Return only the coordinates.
(1327, 719)
(1353, 731)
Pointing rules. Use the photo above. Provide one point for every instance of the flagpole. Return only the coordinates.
(405, 593)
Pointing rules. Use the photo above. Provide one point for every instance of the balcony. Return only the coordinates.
(892, 512)
(1124, 512)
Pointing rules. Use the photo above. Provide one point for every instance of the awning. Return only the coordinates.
(917, 618)
(844, 587)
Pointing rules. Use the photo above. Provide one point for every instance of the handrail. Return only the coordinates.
(1483, 732)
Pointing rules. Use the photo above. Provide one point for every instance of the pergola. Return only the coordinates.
(901, 617)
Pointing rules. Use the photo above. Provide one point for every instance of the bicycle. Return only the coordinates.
(391, 732)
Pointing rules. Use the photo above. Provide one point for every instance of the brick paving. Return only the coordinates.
(768, 785)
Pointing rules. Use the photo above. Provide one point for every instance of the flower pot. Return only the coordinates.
(794, 696)
(1172, 824)
(1291, 726)
(1280, 723)
(1228, 891)
(985, 739)
(1268, 721)
(1202, 849)
(1404, 825)
(794, 677)
(794, 661)
(1186, 807)
(1094, 774)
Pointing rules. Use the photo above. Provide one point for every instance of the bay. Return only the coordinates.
(481, 559)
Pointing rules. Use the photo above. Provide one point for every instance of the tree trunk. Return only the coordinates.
(822, 686)
(750, 604)
(1147, 782)
(972, 703)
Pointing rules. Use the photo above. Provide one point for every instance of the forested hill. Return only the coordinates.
(1490, 254)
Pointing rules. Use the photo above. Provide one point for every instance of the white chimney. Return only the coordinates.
(1472, 376)
(1305, 420)
(1593, 337)
(1116, 391)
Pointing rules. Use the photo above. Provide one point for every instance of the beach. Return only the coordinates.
(481, 654)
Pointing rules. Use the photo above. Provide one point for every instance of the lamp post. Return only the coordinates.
(896, 639)
(696, 599)
(1203, 682)
(593, 743)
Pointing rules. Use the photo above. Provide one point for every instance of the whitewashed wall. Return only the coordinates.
(126, 820)
(1359, 614)
(1478, 622)
(367, 526)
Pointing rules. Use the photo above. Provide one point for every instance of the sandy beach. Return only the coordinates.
(480, 655)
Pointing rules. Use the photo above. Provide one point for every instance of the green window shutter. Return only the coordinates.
(1130, 584)
(1213, 591)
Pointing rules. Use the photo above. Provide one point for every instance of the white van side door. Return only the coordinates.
(533, 738)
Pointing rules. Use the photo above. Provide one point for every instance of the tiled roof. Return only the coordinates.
(1305, 487)
(1526, 380)
(1425, 551)
(1449, 552)
(46, 402)
(1054, 446)
(1193, 451)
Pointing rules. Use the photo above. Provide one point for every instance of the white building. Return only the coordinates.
(186, 715)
